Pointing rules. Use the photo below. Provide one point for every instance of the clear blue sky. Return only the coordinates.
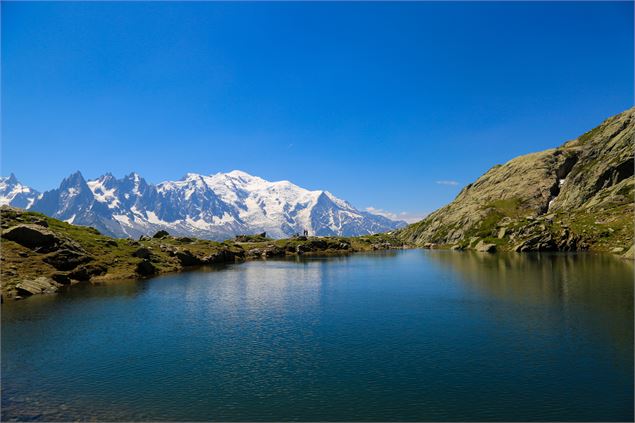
(375, 102)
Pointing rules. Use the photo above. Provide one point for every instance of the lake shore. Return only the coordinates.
(42, 255)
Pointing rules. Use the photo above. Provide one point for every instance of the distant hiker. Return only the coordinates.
(306, 233)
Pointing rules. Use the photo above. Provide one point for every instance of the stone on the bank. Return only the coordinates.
(485, 247)
(41, 285)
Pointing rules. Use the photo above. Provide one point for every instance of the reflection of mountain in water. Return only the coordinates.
(594, 287)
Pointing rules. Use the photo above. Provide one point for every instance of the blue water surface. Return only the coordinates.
(410, 335)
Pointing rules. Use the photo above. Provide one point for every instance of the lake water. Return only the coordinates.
(408, 335)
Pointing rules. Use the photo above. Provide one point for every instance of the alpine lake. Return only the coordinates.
(413, 335)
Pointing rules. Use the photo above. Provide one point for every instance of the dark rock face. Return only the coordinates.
(67, 259)
(33, 237)
(161, 234)
(61, 278)
(87, 271)
(223, 256)
(187, 258)
(146, 268)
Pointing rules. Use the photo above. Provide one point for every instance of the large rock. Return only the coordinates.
(41, 285)
(34, 237)
(87, 271)
(67, 259)
(146, 268)
(161, 234)
(187, 258)
(485, 247)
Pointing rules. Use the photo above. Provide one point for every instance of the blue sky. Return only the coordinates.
(375, 102)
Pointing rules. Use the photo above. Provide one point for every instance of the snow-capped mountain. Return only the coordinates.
(14, 193)
(217, 206)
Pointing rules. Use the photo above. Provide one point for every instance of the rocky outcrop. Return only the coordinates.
(485, 247)
(87, 271)
(40, 285)
(146, 268)
(187, 258)
(34, 237)
(575, 197)
(67, 259)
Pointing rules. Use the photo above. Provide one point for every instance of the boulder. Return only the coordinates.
(187, 258)
(222, 256)
(273, 251)
(61, 278)
(67, 259)
(254, 253)
(87, 271)
(146, 268)
(41, 285)
(34, 237)
(485, 247)
(312, 246)
(161, 234)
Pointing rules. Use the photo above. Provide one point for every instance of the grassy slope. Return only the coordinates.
(511, 196)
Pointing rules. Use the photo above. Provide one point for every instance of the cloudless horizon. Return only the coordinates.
(390, 106)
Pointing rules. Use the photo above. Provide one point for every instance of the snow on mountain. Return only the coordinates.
(14, 193)
(217, 206)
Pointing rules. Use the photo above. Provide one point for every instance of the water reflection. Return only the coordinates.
(401, 335)
(598, 288)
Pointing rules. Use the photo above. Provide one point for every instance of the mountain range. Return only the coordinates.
(217, 206)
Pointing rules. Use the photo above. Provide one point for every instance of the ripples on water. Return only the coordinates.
(413, 335)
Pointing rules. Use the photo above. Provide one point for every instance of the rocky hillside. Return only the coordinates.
(578, 196)
(40, 254)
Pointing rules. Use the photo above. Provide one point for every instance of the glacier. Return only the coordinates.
(217, 206)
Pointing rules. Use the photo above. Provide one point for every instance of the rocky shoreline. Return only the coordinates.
(42, 255)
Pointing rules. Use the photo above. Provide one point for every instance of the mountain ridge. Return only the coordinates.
(578, 196)
(216, 206)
